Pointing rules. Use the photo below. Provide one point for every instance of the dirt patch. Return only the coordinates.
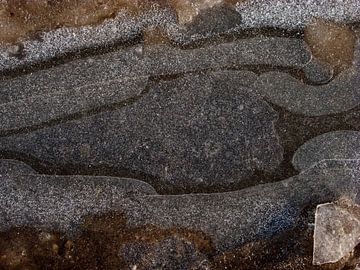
(21, 19)
(331, 43)
(106, 242)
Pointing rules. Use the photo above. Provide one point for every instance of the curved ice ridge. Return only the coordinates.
(339, 95)
(164, 60)
(42, 108)
(231, 218)
(329, 146)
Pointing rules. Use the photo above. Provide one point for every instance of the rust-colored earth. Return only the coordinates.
(106, 242)
(21, 18)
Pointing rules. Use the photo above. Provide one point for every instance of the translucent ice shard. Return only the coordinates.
(337, 231)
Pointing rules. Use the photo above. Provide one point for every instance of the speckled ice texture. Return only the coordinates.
(333, 145)
(339, 95)
(238, 138)
(197, 131)
(293, 14)
(296, 13)
(9, 166)
(229, 218)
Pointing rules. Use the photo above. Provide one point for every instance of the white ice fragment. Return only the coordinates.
(337, 231)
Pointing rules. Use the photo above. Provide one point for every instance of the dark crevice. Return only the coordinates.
(236, 35)
(48, 168)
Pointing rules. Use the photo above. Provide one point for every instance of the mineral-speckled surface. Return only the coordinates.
(176, 134)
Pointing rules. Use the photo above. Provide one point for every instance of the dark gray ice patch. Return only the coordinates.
(210, 22)
(341, 164)
(353, 119)
(15, 167)
(200, 130)
(333, 145)
(317, 72)
(38, 109)
(339, 95)
(230, 219)
(162, 60)
(60, 202)
(234, 218)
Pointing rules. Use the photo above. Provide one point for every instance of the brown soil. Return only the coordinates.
(97, 247)
(20, 19)
(106, 242)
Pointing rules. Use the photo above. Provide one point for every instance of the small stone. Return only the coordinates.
(337, 231)
(15, 50)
